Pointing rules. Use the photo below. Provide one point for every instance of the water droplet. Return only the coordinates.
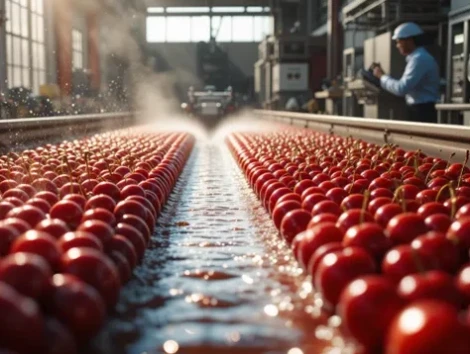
(271, 310)
(171, 347)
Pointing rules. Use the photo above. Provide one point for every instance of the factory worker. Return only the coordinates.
(420, 82)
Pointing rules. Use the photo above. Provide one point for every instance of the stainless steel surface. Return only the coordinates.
(453, 107)
(217, 278)
(435, 139)
(15, 133)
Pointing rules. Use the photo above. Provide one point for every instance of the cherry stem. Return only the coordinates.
(463, 168)
(365, 202)
(402, 200)
(449, 161)
(433, 167)
(87, 164)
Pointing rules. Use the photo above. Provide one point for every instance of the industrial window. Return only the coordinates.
(25, 49)
(200, 28)
(237, 28)
(178, 29)
(222, 28)
(77, 49)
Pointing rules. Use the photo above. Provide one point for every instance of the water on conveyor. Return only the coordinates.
(217, 278)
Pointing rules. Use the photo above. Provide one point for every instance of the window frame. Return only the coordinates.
(25, 33)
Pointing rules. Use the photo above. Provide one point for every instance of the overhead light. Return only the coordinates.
(194, 9)
(228, 9)
(155, 10)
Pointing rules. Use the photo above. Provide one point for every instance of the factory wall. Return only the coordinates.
(181, 58)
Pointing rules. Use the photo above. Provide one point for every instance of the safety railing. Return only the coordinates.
(17, 133)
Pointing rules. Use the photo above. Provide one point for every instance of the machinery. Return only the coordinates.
(283, 70)
(458, 90)
(209, 104)
(458, 61)
(353, 62)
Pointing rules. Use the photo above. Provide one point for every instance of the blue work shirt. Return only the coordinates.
(420, 81)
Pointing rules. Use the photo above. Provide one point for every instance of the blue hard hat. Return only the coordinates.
(407, 30)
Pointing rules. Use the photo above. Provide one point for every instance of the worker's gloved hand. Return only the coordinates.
(378, 71)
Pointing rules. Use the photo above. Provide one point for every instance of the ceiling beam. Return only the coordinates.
(186, 3)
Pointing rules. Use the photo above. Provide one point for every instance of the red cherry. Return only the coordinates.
(369, 236)
(100, 229)
(318, 255)
(326, 206)
(432, 208)
(405, 227)
(302, 186)
(282, 209)
(134, 236)
(22, 325)
(311, 200)
(80, 239)
(336, 195)
(315, 237)
(353, 201)
(138, 224)
(39, 203)
(427, 326)
(337, 269)
(145, 202)
(464, 211)
(95, 269)
(16, 193)
(54, 227)
(367, 306)
(28, 213)
(15, 268)
(28, 189)
(122, 265)
(49, 197)
(122, 245)
(404, 260)
(293, 223)
(311, 190)
(438, 222)
(13, 200)
(5, 208)
(381, 193)
(275, 196)
(45, 185)
(322, 218)
(77, 198)
(101, 201)
(99, 214)
(432, 285)
(86, 317)
(426, 196)
(459, 233)
(19, 225)
(40, 243)
(109, 189)
(67, 211)
(439, 248)
(353, 217)
(131, 207)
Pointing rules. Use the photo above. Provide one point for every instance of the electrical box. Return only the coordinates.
(290, 77)
(458, 89)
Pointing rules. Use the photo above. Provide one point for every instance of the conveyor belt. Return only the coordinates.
(217, 279)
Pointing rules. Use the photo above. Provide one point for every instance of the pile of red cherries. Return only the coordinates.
(384, 233)
(75, 219)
